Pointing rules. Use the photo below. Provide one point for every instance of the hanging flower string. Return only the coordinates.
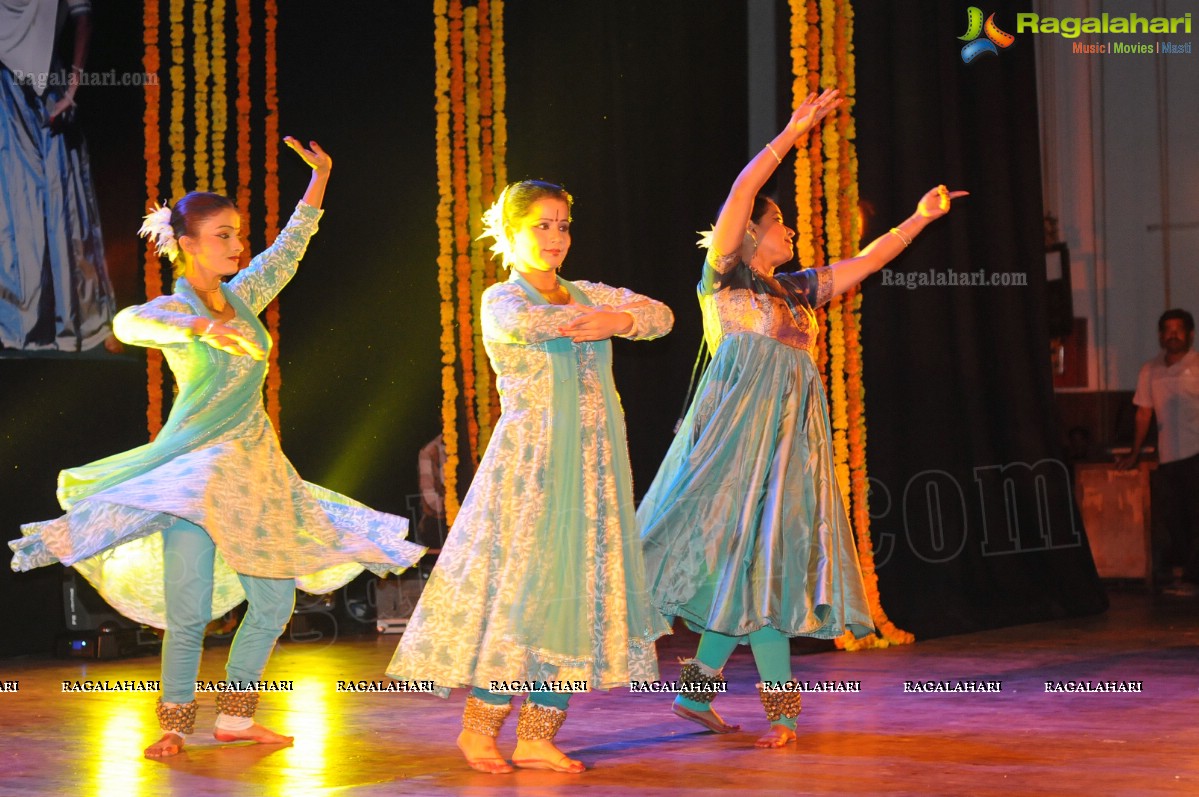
(462, 237)
(176, 140)
(477, 253)
(270, 224)
(206, 74)
(815, 169)
(887, 632)
(803, 168)
(471, 139)
(151, 119)
(499, 145)
(244, 106)
(488, 406)
(445, 257)
(220, 98)
(829, 229)
(201, 72)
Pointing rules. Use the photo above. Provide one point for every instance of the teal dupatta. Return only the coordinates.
(197, 415)
(552, 617)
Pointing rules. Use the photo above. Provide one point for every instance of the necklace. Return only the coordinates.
(208, 293)
(212, 298)
(555, 294)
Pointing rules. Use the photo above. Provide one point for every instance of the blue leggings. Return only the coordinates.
(556, 700)
(772, 655)
(188, 554)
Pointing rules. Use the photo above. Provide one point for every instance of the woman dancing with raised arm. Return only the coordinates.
(745, 534)
(541, 581)
(211, 513)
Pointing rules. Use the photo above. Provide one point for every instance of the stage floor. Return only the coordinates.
(881, 740)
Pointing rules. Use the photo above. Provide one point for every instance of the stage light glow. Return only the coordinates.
(304, 713)
(122, 725)
(368, 442)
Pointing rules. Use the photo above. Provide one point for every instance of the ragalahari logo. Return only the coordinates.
(995, 39)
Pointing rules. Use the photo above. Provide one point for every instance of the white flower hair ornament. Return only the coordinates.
(706, 237)
(157, 225)
(493, 227)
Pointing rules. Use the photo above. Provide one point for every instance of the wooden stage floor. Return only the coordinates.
(882, 740)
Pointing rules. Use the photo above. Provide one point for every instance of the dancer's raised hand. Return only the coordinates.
(316, 158)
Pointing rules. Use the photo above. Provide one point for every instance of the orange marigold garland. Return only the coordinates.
(274, 379)
(828, 227)
(835, 338)
(811, 153)
(462, 237)
(500, 93)
(201, 71)
(151, 118)
(471, 142)
(220, 98)
(843, 123)
(887, 633)
(499, 137)
(803, 167)
(176, 138)
(243, 105)
(478, 250)
(488, 410)
(445, 257)
(209, 108)
(486, 108)
(177, 141)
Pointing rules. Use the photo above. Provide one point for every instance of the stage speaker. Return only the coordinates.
(94, 629)
(108, 642)
(85, 610)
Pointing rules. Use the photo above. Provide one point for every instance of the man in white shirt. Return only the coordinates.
(1168, 388)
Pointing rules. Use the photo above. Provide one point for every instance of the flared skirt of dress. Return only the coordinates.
(263, 518)
(744, 525)
(467, 627)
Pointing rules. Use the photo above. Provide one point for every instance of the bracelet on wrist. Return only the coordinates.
(907, 241)
(777, 157)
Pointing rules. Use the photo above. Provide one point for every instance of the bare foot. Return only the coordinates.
(254, 733)
(481, 753)
(543, 754)
(708, 718)
(777, 736)
(170, 744)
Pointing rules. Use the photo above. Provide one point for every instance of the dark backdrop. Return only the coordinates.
(640, 111)
(976, 526)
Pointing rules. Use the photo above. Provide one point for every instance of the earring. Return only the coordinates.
(753, 239)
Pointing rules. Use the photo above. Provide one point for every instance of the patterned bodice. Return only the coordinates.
(737, 300)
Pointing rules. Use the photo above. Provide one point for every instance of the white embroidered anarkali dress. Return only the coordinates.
(216, 463)
(542, 578)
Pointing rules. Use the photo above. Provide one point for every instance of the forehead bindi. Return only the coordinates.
(545, 210)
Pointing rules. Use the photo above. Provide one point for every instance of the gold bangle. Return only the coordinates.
(906, 240)
(775, 154)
